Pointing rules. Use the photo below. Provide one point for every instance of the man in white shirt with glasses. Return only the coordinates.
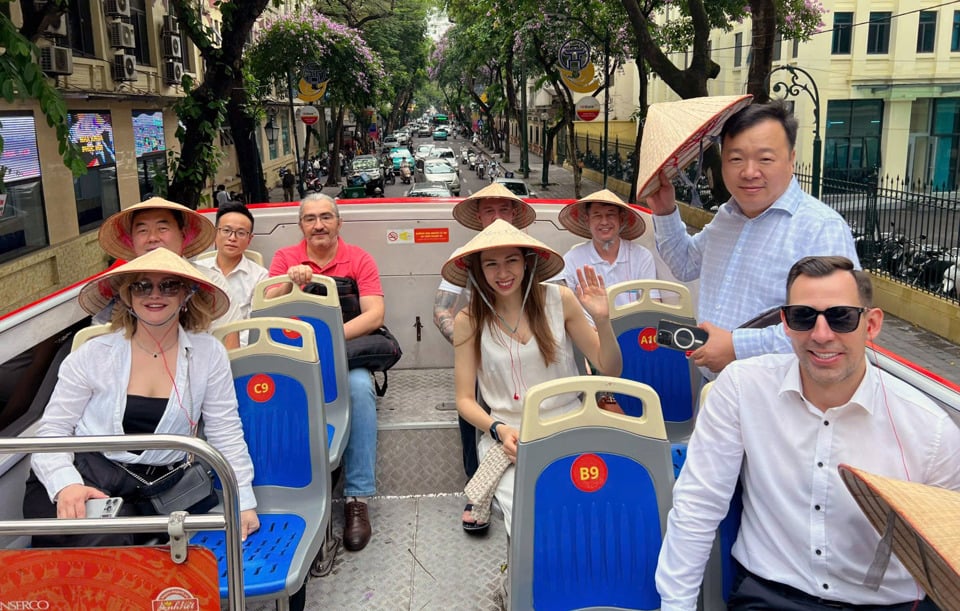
(781, 424)
(234, 234)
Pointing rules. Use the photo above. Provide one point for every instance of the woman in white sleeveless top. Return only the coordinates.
(516, 333)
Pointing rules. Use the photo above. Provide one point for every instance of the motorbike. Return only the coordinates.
(405, 174)
(948, 287)
(313, 183)
(481, 169)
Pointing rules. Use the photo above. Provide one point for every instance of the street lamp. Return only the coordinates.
(793, 88)
(543, 149)
(271, 130)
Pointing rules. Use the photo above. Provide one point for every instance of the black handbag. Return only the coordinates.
(193, 492)
(376, 351)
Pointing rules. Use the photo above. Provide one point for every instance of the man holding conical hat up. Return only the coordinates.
(742, 256)
(779, 426)
(610, 225)
(157, 223)
(476, 212)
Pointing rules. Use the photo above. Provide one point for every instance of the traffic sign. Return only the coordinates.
(588, 108)
(309, 115)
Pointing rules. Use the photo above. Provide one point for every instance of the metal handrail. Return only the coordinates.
(228, 522)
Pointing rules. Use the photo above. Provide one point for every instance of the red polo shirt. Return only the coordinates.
(350, 262)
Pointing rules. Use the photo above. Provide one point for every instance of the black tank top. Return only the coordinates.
(143, 414)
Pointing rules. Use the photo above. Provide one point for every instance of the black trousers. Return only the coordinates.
(753, 593)
(101, 473)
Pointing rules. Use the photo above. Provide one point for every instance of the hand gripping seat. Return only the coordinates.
(281, 406)
(669, 372)
(322, 312)
(591, 497)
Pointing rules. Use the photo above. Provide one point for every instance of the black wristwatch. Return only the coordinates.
(493, 431)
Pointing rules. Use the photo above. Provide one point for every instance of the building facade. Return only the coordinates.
(888, 77)
(118, 65)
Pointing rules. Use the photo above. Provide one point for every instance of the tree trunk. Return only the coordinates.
(243, 127)
(207, 110)
(763, 35)
(333, 178)
(644, 105)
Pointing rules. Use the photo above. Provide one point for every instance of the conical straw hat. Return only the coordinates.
(926, 535)
(574, 216)
(101, 290)
(673, 134)
(116, 233)
(466, 211)
(502, 234)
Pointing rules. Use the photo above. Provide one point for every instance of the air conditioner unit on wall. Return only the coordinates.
(117, 8)
(124, 67)
(122, 35)
(170, 25)
(172, 73)
(172, 46)
(56, 60)
(57, 29)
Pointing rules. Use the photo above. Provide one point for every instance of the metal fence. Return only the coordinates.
(622, 159)
(905, 230)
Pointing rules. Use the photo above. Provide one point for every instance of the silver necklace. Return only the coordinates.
(154, 353)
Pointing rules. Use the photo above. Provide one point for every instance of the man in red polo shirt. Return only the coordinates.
(323, 251)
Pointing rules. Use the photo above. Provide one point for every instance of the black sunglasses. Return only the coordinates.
(842, 319)
(168, 288)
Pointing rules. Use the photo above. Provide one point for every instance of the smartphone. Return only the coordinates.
(104, 508)
(680, 337)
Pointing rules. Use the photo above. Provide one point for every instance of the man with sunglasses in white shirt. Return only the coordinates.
(781, 424)
(234, 234)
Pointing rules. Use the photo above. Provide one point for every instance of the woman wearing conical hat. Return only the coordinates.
(158, 371)
(517, 332)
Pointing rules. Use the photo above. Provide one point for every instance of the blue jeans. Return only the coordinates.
(360, 455)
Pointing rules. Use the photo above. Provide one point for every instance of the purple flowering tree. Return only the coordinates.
(285, 44)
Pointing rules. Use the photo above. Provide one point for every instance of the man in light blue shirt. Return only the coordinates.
(743, 255)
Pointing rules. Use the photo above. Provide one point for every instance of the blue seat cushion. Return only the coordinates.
(267, 553)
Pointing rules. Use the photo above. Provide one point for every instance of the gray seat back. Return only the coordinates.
(322, 312)
(671, 374)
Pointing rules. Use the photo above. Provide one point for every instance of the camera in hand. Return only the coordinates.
(680, 337)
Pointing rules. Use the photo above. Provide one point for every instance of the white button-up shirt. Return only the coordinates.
(241, 282)
(800, 526)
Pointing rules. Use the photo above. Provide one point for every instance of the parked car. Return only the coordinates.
(516, 186)
(439, 170)
(429, 189)
(440, 134)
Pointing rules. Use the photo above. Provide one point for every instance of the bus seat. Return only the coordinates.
(322, 312)
(88, 333)
(250, 254)
(591, 497)
(281, 406)
(669, 372)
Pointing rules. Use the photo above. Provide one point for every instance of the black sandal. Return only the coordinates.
(474, 528)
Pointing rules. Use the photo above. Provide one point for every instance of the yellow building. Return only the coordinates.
(888, 75)
(118, 64)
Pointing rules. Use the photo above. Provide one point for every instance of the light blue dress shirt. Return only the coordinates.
(742, 263)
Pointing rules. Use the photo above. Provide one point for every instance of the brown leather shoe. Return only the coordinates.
(356, 528)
